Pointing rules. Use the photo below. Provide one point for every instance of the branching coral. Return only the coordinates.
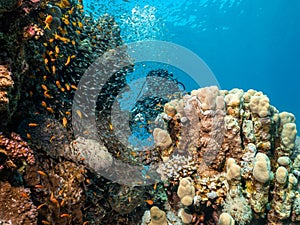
(16, 150)
(177, 166)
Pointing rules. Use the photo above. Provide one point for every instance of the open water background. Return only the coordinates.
(248, 44)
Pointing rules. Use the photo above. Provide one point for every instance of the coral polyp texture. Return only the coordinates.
(239, 149)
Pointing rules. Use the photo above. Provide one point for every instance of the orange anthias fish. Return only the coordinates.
(48, 21)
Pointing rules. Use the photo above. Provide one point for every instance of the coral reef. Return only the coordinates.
(224, 157)
(46, 46)
(244, 132)
(13, 63)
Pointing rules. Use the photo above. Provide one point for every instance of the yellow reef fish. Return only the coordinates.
(68, 87)
(58, 84)
(57, 37)
(52, 138)
(47, 95)
(53, 69)
(40, 206)
(71, 11)
(54, 200)
(42, 173)
(48, 21)
(56, 49)
(49, 109)
(149, 201)
(64, 4)
(44, 104)
(44, 87)
(63, 31)
(65, 121)
(80, 24)
(47, 68)
(68, 61)
(38, 186)
(79, 113)
(79, 6)
(32, 124)
(66, 21)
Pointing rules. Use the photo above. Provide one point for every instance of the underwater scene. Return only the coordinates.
(148, 112)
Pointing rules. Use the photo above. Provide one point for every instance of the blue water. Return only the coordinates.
(248, 44)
